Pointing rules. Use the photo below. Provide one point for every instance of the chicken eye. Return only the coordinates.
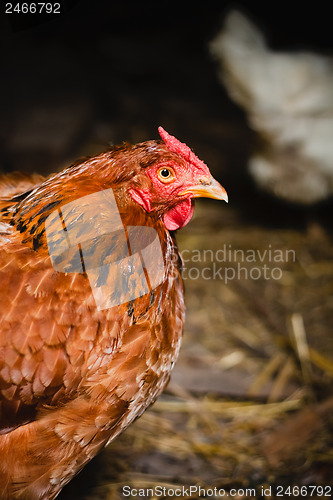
(166, 174)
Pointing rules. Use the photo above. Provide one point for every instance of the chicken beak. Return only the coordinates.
(208, 188)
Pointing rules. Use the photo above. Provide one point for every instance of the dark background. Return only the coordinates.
(104, 72)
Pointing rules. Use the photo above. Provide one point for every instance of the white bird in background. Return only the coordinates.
(288, 100)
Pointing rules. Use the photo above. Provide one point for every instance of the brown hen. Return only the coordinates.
(91, 305)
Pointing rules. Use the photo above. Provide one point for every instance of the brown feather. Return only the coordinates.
(72, 377)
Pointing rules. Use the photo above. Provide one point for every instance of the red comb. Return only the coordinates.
(181, 148)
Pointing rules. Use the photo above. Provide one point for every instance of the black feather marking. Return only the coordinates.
(35, 242)
(151, 298)
(47, 207)
(82, 259)
(130, 308)
(28, 207)
(20, 197)
(21, 226)
(38, 223)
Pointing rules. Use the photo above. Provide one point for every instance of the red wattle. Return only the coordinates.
(179, 216)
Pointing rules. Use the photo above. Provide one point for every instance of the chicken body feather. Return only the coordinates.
(74, 375)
